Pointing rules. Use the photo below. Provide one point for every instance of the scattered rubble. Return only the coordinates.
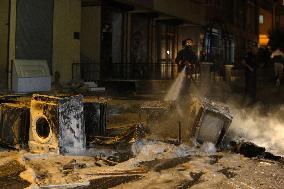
(195, 180)
(109, 182)
(130, 135)
(163, 164)
(214, 159)
(10, 175)
(251, 150)
(228, 172)
(75, 87)
(74, 165)
(149, 161)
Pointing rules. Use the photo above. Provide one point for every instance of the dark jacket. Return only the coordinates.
(251, 60)
(186, 55)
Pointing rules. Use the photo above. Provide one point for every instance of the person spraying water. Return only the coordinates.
(186, 58)
(186, 61)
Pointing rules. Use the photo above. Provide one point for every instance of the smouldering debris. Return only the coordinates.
(130, 135)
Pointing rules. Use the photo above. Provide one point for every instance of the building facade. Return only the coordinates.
(122, 39)
(136, 39)
(231, 27)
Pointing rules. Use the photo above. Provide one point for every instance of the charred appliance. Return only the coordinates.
(95, 118)
(14, 125)
(212, 122)
(57, 124)
(155, 110)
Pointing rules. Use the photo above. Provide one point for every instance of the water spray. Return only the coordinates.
(175, 89)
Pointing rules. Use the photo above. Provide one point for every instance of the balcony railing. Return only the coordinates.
(124, 71)
(137, 71)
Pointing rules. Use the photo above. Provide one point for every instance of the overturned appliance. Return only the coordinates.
(43, 123)
(57, 124)
(95, 117)
(156, 109)
(14, 125)
(212, 122)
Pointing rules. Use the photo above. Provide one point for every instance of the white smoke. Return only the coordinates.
(263, 130)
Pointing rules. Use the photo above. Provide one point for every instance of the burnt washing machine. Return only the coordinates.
(95, 118)
(57, 124)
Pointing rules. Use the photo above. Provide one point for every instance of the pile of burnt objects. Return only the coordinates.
(44, 123)
(62, 124)
(70, 124)
(211, 120)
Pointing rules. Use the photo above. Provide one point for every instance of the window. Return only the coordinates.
(166, 38)
(112, 32)
(140, 38)
(261, 19)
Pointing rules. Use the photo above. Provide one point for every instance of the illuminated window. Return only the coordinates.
(261, 19)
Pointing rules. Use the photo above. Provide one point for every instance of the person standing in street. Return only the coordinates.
(186, 61)
(277, 58)
(186, 58)
(251, 64)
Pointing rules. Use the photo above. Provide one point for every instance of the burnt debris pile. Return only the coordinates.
(45, 123)
(67, 124)
(251, 150)
(63, 124)
(210, 120)
(126, 137)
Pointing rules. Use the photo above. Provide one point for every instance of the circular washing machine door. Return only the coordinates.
(41, 129)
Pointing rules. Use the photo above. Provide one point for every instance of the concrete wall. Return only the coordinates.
(66, 49)
(12, 39)
(4, 38)
(91, 33)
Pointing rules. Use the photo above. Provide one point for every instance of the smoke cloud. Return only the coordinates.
(263, 130)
